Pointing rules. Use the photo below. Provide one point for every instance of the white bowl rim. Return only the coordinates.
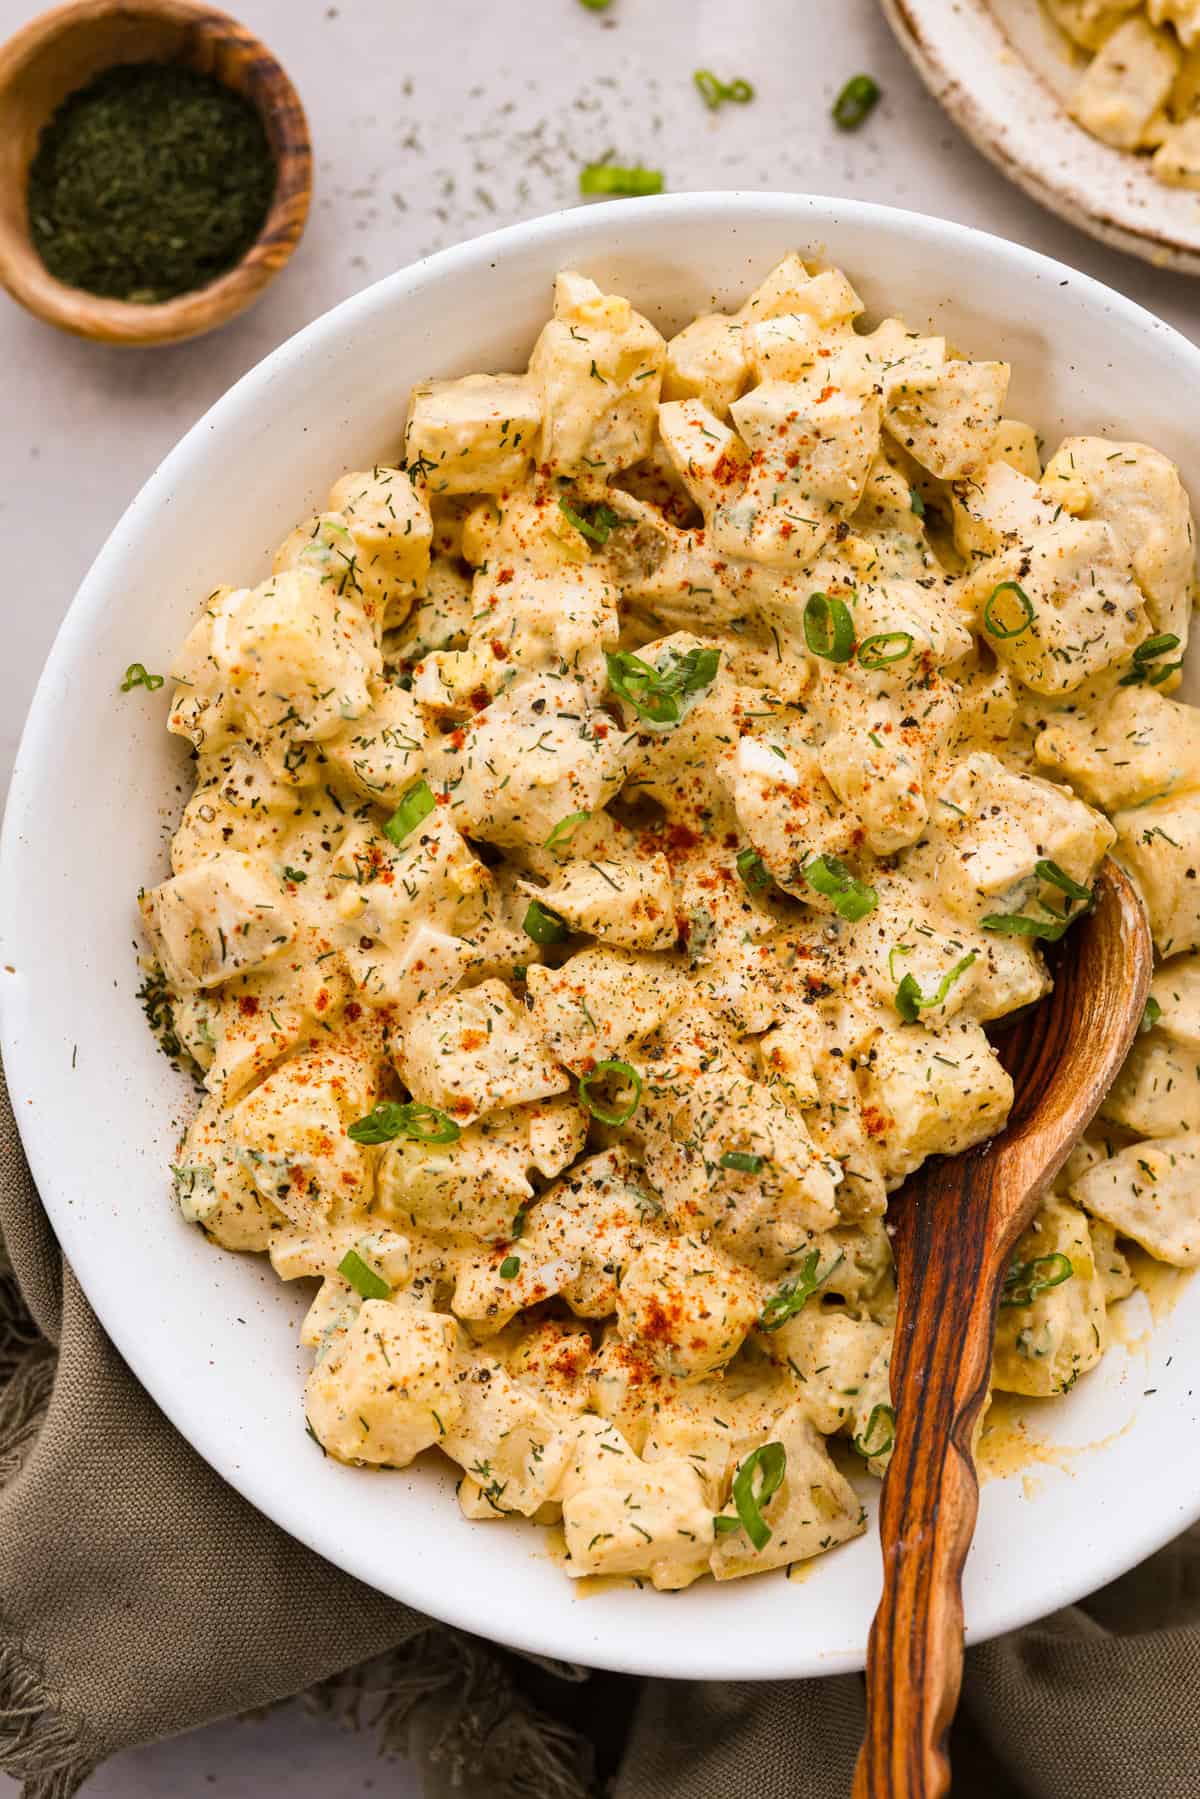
(692, 1659)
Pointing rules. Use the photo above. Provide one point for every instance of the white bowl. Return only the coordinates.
(99, 784)
(1006, 74)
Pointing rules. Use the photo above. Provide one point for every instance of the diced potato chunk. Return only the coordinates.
(653, 1520)
(830, 1351)
(992, 826)
(1157, 1093)
(707, 361)
(933, 1094)
(1177, 159)
(628, 904)
(474, 435)
(222, 917)
(383, 752)
(599, 1002)
(1175, 990)
(475, 1052)
(1150, 1192)
(479, 1184)
(1160, 845)
(596, 1220)
(1126, 83)
(814, 1508)
(597, 368)
(1089, 22)
(1046, 1343)
(1137, 492)
(290, 1131)
(1139, 746)
(1082, 611)
(688, 1303)
(388, 1388)
(947, 417)
(215, 1191)
(532, 759)
(506, 1438)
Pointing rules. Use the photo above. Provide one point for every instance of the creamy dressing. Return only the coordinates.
(613, 830)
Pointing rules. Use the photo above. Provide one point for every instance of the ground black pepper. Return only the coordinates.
(148, 182)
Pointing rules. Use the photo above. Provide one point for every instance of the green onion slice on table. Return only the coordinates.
(611, 178)
(856, 102)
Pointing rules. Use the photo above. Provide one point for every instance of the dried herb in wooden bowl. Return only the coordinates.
(148, 182)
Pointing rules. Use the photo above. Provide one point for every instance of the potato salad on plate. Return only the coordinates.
(618, 827)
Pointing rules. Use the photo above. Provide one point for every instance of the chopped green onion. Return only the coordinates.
(828, 627)
(992, 624)
(1016, 924)
(857, 100)
(796, 1291)
(877, 652)
(417, 804)
(1054, 876)
(543, 925)
(882, 1418)
(1156, 646)
(566, 828)
(136, 676)
(362, 1278)
(742, 1161)
(752, 870)
(389, 1120)
(510, 1268)
(599, 527)
(608, 178)
(916, 502)
(627, 1075)
(294, 874)
(713, 90)
(656, 693)
(1025, 1280)
(1149, 652)
(852, 899)
(769, 1461)
(910, 1000)
(1150, 1016)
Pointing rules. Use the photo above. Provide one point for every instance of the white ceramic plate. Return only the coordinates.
(99, 785)
(1004, 71)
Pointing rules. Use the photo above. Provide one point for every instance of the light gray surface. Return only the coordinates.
(423, 138)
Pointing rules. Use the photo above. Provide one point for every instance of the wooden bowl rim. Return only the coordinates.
(201, 309)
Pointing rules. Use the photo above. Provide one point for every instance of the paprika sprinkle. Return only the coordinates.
(149, 181)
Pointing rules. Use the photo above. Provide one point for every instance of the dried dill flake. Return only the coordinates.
(148, 182)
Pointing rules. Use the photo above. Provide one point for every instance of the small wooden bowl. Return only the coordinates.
(60, 51)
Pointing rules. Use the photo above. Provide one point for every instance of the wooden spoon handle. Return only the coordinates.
(939, 1377)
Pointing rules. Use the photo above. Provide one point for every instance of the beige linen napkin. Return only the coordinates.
(140, 1597)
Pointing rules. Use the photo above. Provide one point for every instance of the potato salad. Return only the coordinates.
(616, 828)
(1141, 89)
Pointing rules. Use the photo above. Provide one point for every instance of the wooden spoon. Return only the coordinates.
(956, 1226)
